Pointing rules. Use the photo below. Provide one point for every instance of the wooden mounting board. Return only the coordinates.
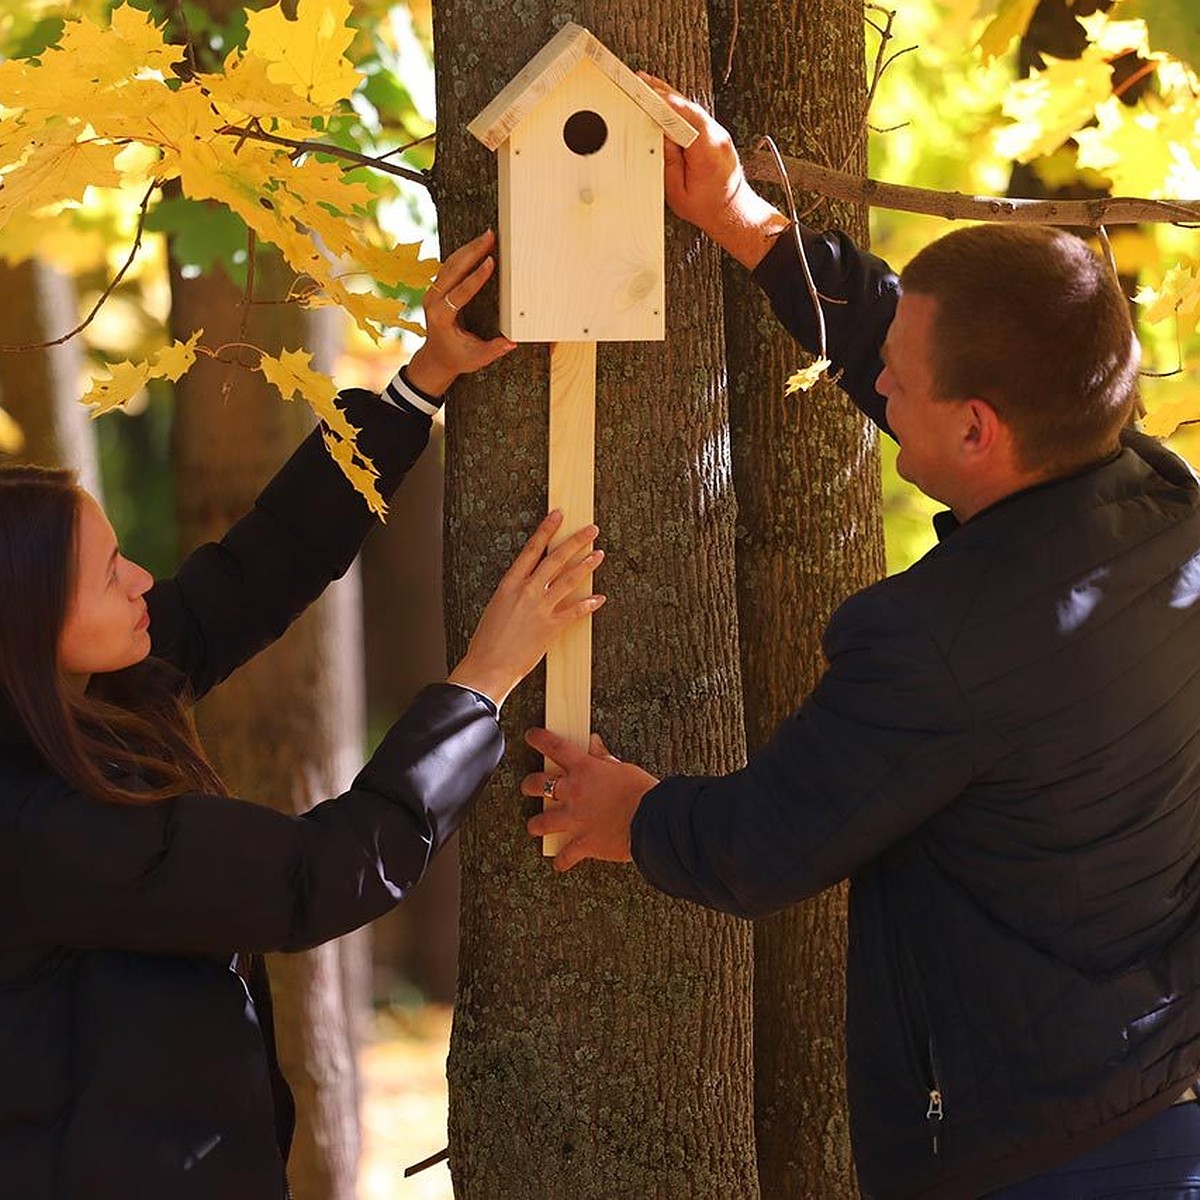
(572, 468)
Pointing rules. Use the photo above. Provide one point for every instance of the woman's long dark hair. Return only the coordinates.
(130, 737)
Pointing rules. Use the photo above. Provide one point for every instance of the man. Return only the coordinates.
(1004, 753)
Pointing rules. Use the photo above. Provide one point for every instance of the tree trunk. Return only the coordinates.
(806, 471)
(602, 1038)
(40, 389)
(286, 730)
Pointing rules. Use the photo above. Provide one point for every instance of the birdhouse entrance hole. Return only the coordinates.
(585, 132)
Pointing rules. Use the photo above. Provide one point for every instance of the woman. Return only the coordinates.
(136, 1052)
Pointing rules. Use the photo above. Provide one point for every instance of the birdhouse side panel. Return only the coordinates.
(581, 218)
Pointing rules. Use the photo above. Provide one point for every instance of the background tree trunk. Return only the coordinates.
(405, 633)
(602, 1040)
(286, 730)
(806, 470)
(41, 388)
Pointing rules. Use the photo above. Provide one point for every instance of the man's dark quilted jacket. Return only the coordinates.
(1004, 758)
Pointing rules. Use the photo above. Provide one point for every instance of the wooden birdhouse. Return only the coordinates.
(579, 140)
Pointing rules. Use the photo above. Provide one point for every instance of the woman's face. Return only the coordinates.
(107, 626)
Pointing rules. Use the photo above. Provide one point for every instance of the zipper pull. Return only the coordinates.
(934, 1116)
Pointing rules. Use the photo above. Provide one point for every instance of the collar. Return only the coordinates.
(1138, 454)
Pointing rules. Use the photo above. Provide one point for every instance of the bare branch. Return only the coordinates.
(108, 291)
(733, 36)
(956, 206)
(246, 302)
(808, 279)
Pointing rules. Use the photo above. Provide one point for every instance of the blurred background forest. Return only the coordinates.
(942, 118)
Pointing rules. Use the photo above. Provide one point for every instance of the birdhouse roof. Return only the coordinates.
(546, 70)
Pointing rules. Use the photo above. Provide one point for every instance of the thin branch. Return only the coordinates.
(256, 134)
(108, 291)
(733, 36)
(956, 206)
(247, 301)
(189, 48)
(808, 279)
(881, 64)
(215, 354)
(1137, 76)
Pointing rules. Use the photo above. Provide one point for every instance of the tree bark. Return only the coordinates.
(602, 1038)
(40, 389)
(806, 471)
(286, 730)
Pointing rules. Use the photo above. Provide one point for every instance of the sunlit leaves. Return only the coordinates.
(1053, 104)
(1178, 296)
(57, 169)
(1173, 25)
(1149, 150)
(358, 470)
(108, 108)
(293, 375)
(127, 379)
(11, 437)
(306, 55)
(807, 377)
(1010, 22)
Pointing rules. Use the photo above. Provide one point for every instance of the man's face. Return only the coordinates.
(927, 428)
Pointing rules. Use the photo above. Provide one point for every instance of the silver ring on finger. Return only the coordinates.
(548, 787)
(450, 304)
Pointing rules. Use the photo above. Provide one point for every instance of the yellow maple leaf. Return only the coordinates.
(81, 73)
(38, 94)
(1053, 104)
(806, 377)
(148, 113)
(11, 437)
(359, 470)
(293, 375)
(1165, 417)
(245, 88)
(14, 139)
(127, 379)
(1010, 22)
(307, 54)
(367, 309)
(131, 45)
(325, 183)
(1177, 296)
(1144, 151)
(58, 170)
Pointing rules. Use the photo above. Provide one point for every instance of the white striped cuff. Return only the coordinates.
(404, 395)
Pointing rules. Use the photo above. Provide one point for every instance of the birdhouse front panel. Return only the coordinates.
(581, 217)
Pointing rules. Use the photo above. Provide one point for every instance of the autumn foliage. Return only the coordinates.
(118, 106)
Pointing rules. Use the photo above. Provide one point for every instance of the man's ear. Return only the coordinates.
(983, 431)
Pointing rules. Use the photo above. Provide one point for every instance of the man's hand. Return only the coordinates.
(705, 185)
(594, 799)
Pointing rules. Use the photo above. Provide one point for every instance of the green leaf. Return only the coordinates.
(35, 39)
(1173, 25)
(202, 235)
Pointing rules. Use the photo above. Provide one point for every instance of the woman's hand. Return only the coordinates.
(535, 601)
(449, 350)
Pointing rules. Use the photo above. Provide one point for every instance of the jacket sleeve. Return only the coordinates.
(880, 746)
(232, 598)
(859, 296)
(204, 874)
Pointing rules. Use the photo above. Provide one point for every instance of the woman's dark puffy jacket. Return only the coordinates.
(135, 1062)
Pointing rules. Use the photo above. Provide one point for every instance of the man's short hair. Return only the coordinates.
(1029, 319)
